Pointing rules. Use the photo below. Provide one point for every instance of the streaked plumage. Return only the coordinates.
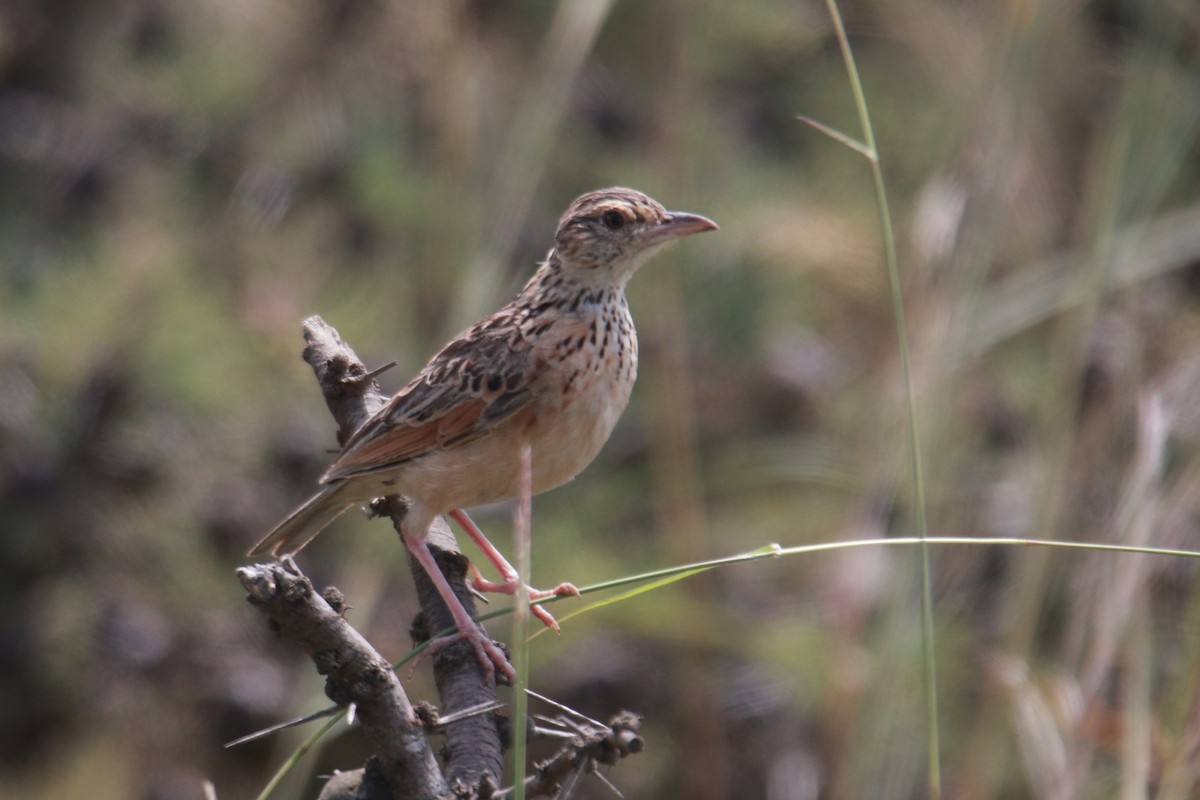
(553, 368)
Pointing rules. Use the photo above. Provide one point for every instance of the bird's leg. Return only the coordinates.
(490, 656)
(511, 580)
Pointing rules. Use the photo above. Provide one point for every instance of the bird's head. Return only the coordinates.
(608, 234)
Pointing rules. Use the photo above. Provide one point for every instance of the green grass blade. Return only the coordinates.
(649, 581)
(299, 753)
(871, 152)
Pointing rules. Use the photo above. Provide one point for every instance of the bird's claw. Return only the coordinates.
(512, 583)
(491, 656)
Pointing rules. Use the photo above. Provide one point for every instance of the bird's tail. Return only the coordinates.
(305, 522)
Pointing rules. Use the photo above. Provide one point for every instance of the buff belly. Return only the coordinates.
(565, 440)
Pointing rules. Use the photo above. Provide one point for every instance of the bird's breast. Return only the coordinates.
(583, 372)
(592, 366)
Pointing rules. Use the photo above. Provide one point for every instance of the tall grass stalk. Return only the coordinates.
(527, 144)
(522, 518)
(866, 147)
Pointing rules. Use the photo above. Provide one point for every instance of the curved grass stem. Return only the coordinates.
(648, 581)
(868, 150)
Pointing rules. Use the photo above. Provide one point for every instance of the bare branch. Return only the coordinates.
(350, 390)
(603, 745)
(354, 673)
(473, 749)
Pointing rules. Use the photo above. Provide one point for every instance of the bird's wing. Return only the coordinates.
(482, 378)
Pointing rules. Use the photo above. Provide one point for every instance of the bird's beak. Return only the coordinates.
(676, 225)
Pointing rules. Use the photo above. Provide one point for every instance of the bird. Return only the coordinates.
(552, 371)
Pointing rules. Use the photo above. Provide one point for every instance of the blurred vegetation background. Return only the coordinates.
(182, 183)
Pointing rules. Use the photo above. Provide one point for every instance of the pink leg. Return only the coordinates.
(488, 653)
(510, 579)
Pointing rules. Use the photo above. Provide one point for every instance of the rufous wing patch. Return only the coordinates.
(459, 422)
(391, 445)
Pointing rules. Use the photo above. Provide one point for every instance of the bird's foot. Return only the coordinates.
(490, 655)
(512, 582)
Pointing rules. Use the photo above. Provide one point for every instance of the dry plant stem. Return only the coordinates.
(354, 673)
(534, 125)
(473, 752)
(585, 753)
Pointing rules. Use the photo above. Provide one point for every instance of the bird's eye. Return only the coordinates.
(613, 220)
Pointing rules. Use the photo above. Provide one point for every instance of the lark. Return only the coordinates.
(551, 371)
